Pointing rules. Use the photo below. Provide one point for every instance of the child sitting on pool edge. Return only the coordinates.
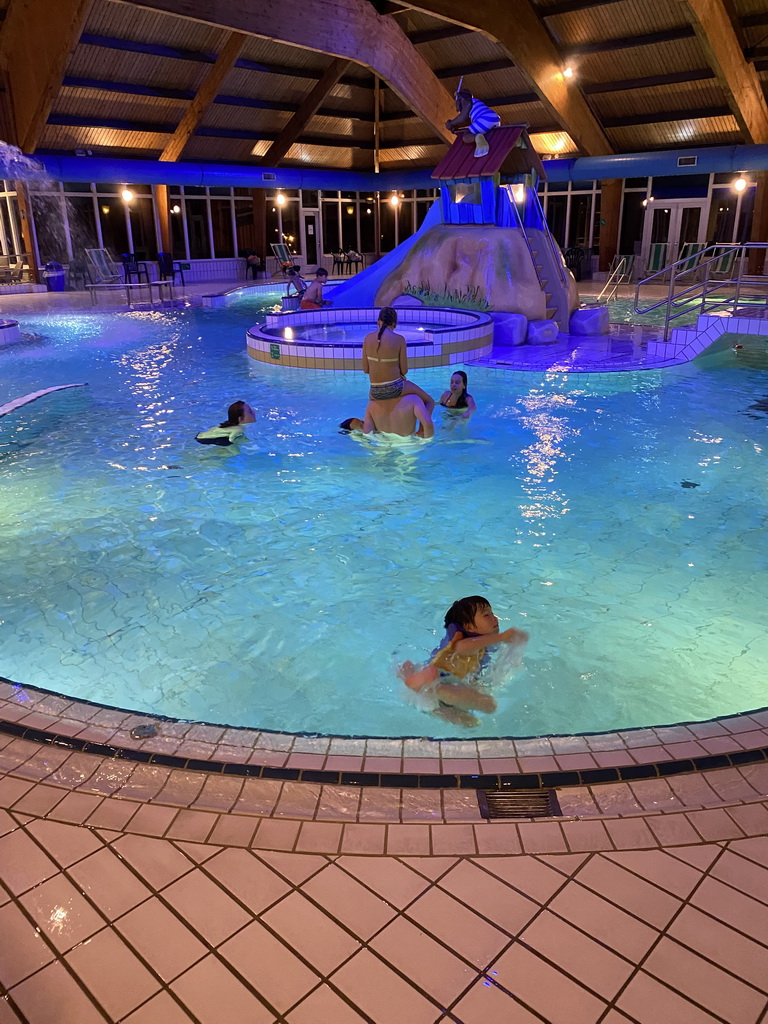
(470, 627)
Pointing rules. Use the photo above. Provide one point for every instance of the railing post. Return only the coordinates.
(737, 293)
(705, 287)
(670, 297)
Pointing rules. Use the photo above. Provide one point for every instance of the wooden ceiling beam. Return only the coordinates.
(349, 29)
(307, 110)
(36, 41)
(204, 97)
(517, 29)
(738, 79)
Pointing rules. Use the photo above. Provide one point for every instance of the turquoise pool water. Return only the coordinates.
(278, 584)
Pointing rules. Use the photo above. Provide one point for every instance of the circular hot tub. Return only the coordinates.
(332, 339)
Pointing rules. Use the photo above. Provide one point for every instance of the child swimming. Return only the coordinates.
(470, 628)
(231, 430)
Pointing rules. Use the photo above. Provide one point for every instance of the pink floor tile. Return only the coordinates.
(460, 766)
(423, 961)
(594, 966)
(269, 966)
(604, 921)
(364, 838)
(694, 791)
(538, 763)
(545, 989)
(22, 949)
(192, 826)
(720, 944)
(324, 1005)
(733, 908)
(53, 986)
(612, 758)
(681, 751)
(301, 760)
(630, 834)
(499, 765)
(158, 862)
(586, 835)
(526, 874)
(421, 805)
(381, 993)
(498, 837)
(744, 875)
(219, 793)
(421, 765)
(379, 804)
(152, 819)
(453, 840)
(460, 805)
(698, 856)
(459, 928)
(656, 795)
(112, 973)
(65, 843)
(108, 882)
(714, 824)
(486, 1003)
(113, 814)
(650, 755)
(61, 913)
(296, 867)
(160, 1009)
(258, 796)
(248, 878)
(489, 896)
(40, 800)
(343, 763)
(215, 996)
(754, 849)
(164, 942)
(408, 840)
(626, 890)
(387, 765)
(234, 830)
(576, 762)
(673, 829)
(273, 834)
(649, 1002)
(182, 788)
(319, 837)
(311, 932)
(658, 867)
(297, 800)
(203, 905)
(338, 803)
(22, 862)
(699, 980)
(387, 877)
(348, 901)
(542, 837)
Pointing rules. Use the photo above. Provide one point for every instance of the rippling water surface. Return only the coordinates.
(278, 584)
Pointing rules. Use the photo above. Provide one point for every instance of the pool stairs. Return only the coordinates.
(686, 343)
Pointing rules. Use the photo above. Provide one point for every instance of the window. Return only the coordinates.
(367, 227)
(143, 228)
(557, 207)
(82, 224)
(331, 240)
(387, 214)
(349, 225)
(745, 215)
(114, 231)
(221, 219)
(633, 213)
(722, 216)
(49, 225)
(578, 228)
(197, 229)
(290, 215)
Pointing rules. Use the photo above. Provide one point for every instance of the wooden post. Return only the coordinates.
(610, 213)
(759, 232)
(376, 124)
(27, 230)
(163, 218)
(260, 222)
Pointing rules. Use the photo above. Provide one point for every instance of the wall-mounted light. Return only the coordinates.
(648, 200)
(280, 199)
(350, 210)
(740, 183)
(568, 72)
(127, 195)
(518, 192)
(368, 210)
(394, 199)
(176, 209)
(105, 209)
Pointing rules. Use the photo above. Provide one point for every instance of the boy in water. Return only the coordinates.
(313, 296)
(470, 627)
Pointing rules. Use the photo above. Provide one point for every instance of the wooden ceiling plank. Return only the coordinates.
(36, 41)
(352, 30)
(715, 31)
(205, 96)
(518, 30)
(307, 110)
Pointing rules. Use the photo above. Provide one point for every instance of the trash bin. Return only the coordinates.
(55, 278)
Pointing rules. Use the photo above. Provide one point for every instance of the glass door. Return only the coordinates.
(309, 248)
(673, 227)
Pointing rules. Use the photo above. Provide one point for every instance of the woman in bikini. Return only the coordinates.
(385, 360)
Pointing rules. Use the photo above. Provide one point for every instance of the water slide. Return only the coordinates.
(360, 290)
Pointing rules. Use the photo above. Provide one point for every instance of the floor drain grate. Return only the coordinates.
(518, 803)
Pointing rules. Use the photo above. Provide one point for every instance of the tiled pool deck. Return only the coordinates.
(229, 876)
(182, 888)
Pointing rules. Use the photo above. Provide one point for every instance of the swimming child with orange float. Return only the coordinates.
(470, 628)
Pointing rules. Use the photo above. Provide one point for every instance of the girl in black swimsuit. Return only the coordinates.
(457, 397)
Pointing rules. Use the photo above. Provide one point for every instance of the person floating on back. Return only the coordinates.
(448, 681)
(313, 296)
(474, 116)
(231, 430)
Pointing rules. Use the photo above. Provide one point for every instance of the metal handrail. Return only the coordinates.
(525, 235)
(705, 287)
(619, 271)
(556, 254)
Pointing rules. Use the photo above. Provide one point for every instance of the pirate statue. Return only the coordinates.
(474, 116)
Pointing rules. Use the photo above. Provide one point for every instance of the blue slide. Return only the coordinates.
(360, 290)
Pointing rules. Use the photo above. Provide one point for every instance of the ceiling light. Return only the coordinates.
(568, 72)
(176, 209)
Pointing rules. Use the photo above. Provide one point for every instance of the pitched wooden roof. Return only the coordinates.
(504, 154)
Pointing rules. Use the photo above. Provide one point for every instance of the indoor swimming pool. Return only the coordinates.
(617, 518)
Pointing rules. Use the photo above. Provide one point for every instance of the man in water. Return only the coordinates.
(404, 416)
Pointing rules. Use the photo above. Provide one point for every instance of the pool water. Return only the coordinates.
(278, 584)
(352, 333)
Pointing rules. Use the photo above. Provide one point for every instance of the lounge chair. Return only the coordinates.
(101, 269)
